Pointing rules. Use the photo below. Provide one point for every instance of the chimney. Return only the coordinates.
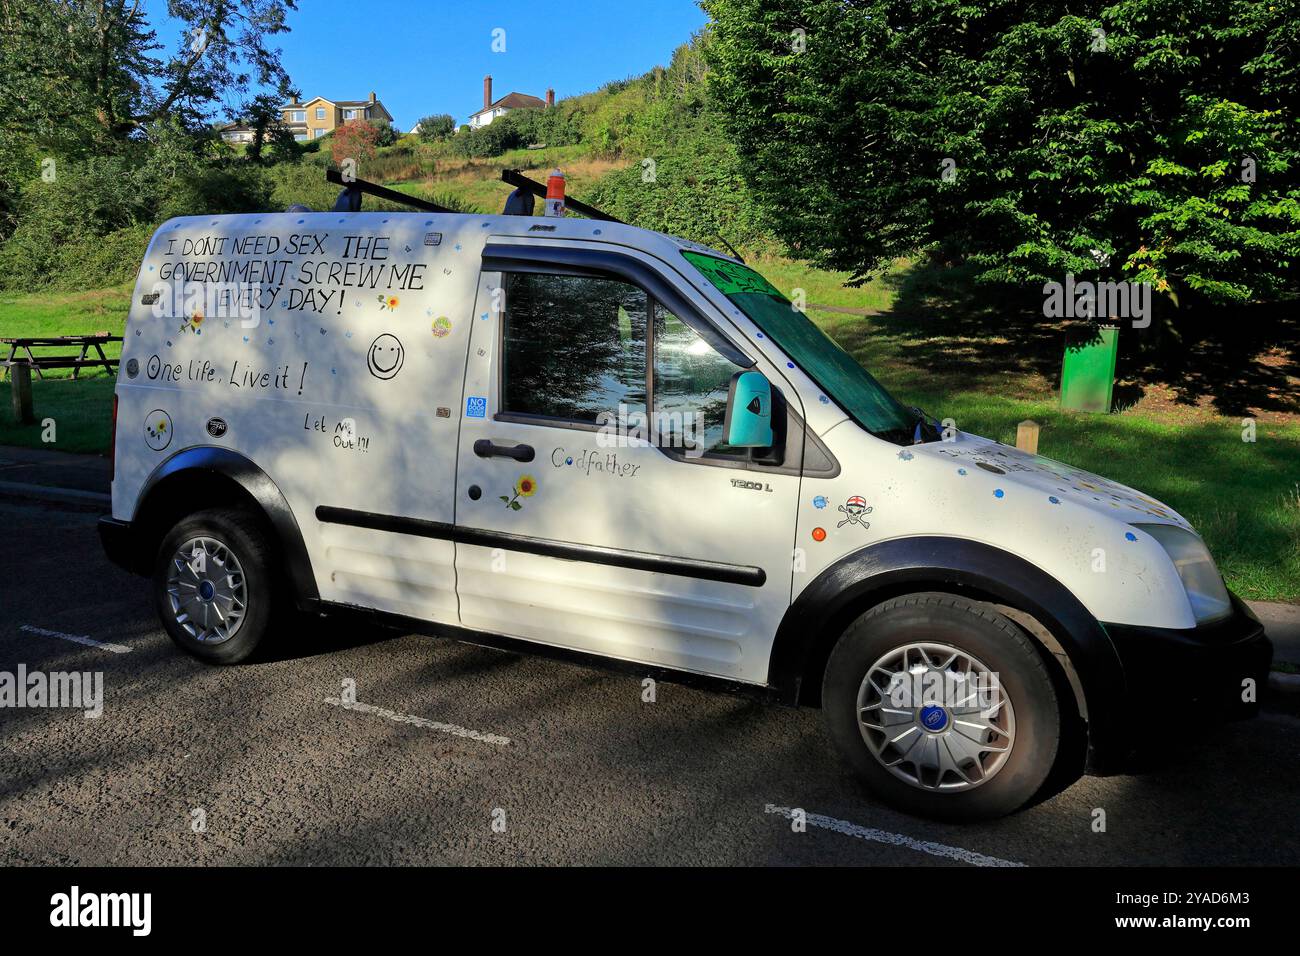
(372, 97)
(550, 98)
(487, 91)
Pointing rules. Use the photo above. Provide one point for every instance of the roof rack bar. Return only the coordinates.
(383, 192)
(517, 179)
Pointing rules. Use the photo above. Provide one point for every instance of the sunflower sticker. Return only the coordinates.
(193, 324)
(389, 302)
(525, 487)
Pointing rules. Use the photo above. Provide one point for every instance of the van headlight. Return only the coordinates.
(1201, 579)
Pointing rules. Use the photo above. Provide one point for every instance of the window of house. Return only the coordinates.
(349, 114)
(320, 112)
(298, 116)
(575, 348)
(318, 133)
(300, 137)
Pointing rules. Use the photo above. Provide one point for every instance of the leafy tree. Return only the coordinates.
(355, 140)
(438, 126)
(264, 113)
(82, 74)
(385, 135)
(1149, 140)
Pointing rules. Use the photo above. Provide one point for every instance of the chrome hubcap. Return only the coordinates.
(936, 717)
(206, 590)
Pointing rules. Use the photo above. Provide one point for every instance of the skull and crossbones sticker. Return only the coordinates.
(855, 512)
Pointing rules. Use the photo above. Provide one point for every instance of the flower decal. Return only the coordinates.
(389, 302)
(194, 323)
(525, 487)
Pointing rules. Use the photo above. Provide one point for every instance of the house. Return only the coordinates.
(316, 117)
(511, 101)
(236, 132)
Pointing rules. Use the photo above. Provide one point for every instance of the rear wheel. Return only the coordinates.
(943, 707)
(213, 585)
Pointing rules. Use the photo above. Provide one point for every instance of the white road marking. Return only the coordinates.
(76, 639)
(896, 839)
(420, 722)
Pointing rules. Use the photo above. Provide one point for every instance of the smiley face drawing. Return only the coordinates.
(385, 357)
(158, 429)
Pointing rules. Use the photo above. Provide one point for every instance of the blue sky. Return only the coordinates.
(430, 57)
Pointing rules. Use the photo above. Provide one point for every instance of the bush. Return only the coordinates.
(89, 198)
(694, 189)
(438, 126)
(385, 135)
(558, 126)
(94, 262)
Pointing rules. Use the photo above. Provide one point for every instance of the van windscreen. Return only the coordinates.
(846, 382)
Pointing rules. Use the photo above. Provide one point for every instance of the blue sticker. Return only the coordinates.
(1130, 535)
(1053, 499)
(476, 407)
(998, 492)
(961, 471)
(819, 502)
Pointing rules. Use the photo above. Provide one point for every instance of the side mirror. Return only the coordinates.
(749, 411)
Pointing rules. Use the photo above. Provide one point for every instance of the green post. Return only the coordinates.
(1088, 372)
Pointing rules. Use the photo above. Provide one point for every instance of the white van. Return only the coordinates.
(584, 439)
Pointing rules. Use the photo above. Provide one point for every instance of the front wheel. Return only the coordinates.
(214, 585)
(943, 707)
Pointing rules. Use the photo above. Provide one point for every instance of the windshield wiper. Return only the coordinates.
(928, 428)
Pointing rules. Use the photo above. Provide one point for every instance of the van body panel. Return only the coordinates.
(341, 384)
(371, 374)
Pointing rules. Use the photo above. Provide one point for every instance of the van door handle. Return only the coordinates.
(484, 448)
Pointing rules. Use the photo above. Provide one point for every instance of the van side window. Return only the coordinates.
(574, 346)
(691, 382)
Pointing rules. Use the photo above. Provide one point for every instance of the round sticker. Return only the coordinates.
(158, 429)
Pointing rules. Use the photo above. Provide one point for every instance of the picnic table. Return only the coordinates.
(93, 340)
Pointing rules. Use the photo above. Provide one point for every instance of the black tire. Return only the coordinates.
(996, 642)
(241, 533)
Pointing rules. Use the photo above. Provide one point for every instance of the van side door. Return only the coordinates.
(575, 528)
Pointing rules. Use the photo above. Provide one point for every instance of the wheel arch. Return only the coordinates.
(1073, 643)
(203, 477)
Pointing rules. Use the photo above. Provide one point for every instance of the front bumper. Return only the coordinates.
(1217, 670)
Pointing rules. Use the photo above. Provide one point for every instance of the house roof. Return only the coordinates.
(514, 101)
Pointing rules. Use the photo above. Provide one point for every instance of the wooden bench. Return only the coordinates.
(94, 340)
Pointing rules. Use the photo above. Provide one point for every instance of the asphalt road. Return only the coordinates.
(513, 760)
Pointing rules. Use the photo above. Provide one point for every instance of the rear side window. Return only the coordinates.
(575, 346)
